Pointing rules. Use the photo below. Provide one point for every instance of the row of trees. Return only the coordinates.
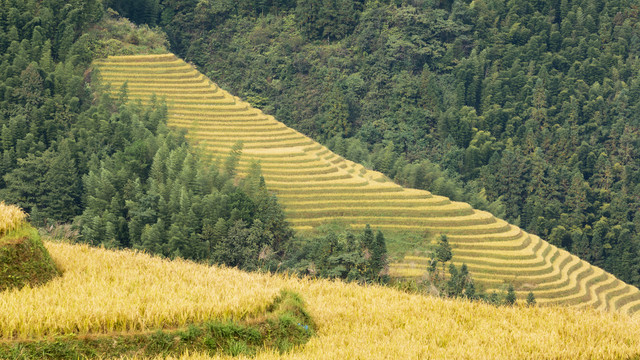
(341, 255)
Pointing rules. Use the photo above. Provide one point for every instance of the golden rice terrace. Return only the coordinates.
(316, 186)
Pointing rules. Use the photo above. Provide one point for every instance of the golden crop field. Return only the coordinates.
(105, 291)
(316, 187)
(11, 217)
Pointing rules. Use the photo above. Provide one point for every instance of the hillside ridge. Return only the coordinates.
(316, 186)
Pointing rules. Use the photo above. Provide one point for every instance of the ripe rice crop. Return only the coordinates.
(367, 322)
(11, 217)
(106, 291)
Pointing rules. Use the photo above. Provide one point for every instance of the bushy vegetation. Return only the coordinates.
(340, 255)
(24, 260)
(524, 109)
(115, 35)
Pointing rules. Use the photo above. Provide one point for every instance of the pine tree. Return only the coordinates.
(510, 299)
(367, 238)
(470, 290)
(531, 299)
(232, 160)
(253, 184)
(62, 186)
(451, 285)
(66, 41)
(580, 244)
(46, 60)
(7, 138)
(463, 279)
(337, 115)
(153, 238)
(443, 251)
(379, 254)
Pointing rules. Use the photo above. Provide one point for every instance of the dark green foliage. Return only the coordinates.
(24, 260)
(285, 324)
(378, 261)
(443, 251)
(340, 255)
(71, 153)
(231, 162)
(42, 97)
(327, 19)
(174, 205)
(367, 237)
(138, 11)
(460, 283)
(531, 299)
(510, 299)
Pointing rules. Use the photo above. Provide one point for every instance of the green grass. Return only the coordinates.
(285, 324)
(24, 259)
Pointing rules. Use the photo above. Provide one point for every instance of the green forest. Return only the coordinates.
(527, 109)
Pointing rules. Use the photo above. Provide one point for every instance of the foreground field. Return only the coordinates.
(102, 291)
(317, 187)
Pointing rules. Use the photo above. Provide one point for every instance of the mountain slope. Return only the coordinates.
(317, 186)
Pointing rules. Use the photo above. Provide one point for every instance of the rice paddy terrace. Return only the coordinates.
(316, 186)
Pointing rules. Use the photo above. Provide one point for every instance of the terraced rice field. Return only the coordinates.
(316, 186)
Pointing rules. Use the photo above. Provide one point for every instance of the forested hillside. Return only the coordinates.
(72, 154)
(526, 109)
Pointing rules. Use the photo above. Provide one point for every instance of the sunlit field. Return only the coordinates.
(103, 291)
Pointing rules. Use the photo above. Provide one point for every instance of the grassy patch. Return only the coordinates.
(285, 325)
(24, 259)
